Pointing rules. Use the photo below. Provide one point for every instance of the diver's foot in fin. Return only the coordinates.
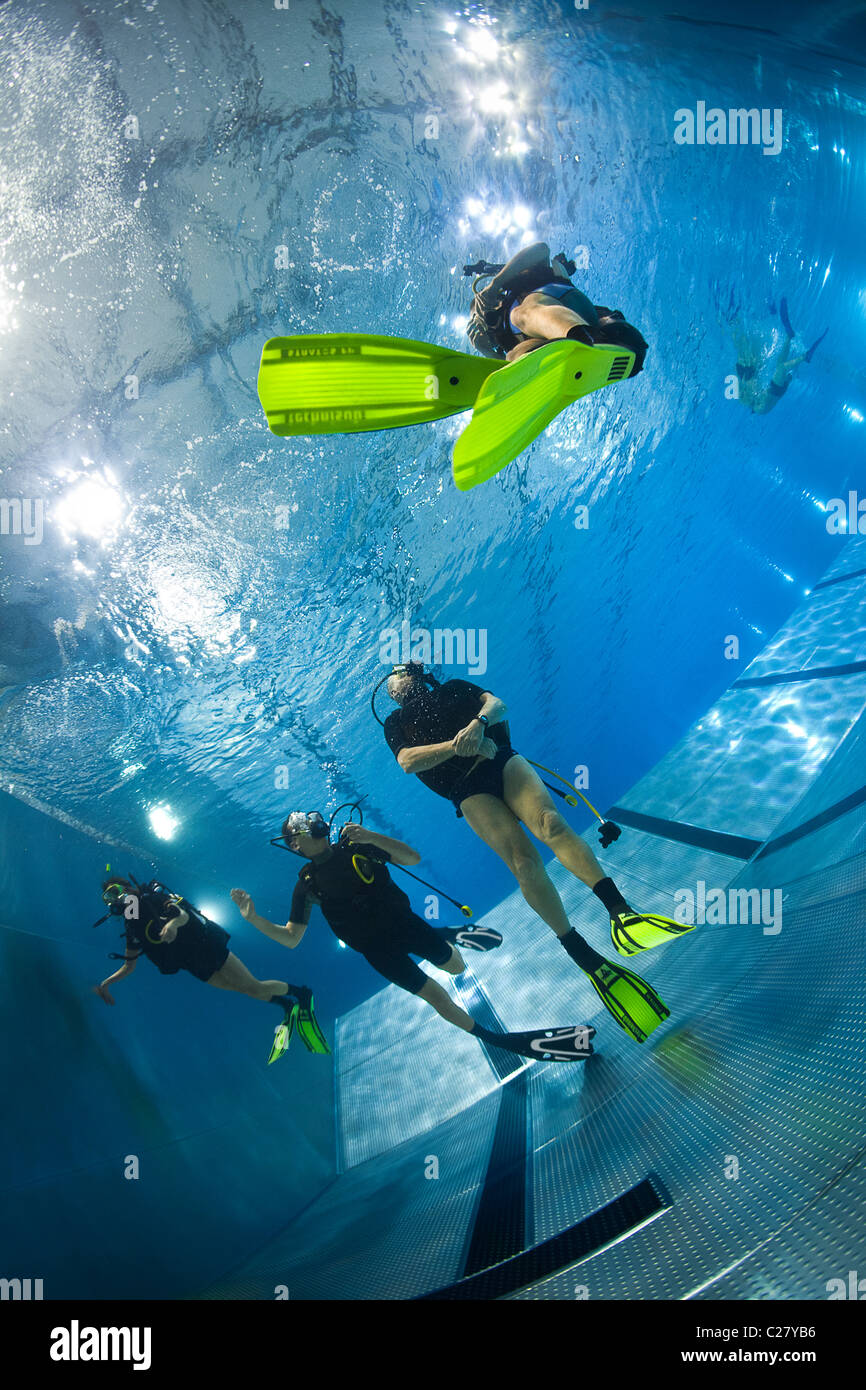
(309, 1031)
(632, 932)
(630, 1000)
(517, 402)
(817, 343)
(283, 1036)
(543, 1044)
(473, 938)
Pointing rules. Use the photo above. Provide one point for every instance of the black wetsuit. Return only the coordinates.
(435, 716)
(364, 908)
(201, 947)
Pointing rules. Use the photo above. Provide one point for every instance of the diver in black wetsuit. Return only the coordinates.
(532, 301)
(453, 737)
(366, 910)
(175, 936)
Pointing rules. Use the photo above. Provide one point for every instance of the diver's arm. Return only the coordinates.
(469, 741)
(169, 931)
(493, 709)
(422, 758)
(121, 974)
(289, 935)
(397, 851)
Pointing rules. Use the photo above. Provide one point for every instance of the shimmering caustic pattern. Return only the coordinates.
(666, 588)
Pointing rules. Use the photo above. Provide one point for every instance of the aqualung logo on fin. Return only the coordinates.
(320, 417)
(288, 354)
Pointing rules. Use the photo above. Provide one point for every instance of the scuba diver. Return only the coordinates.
(531, 301)
(752, 356)
(454, 738)
(176, 936)
(366, 910)
(347, 383)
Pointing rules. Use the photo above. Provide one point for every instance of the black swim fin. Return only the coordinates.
(477, 938)
(817, 343)
(543, 1044)
(783, 315)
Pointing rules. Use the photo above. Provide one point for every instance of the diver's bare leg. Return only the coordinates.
(523, 347)
(541, 316)
(530, 800)
(441, 1001)
(233, 974)
(498, 827)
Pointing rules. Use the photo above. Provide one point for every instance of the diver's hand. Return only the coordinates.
(169, 931)
(103, 993)
(487, 749)
(244, 903)
(469, 740)
(352, 834)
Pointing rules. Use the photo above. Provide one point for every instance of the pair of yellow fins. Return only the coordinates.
(348, 383)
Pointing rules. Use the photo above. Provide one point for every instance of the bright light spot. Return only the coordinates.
(853, 414)
(483, 44)
(91, 508)
(188, 602)
(522, 216)
(495, 98)
(789, 577)
(341, 944)
(163, 822)
(450, 28)
(459, 325)
(8, 302)
(130, 770)
(826, 277)
(474, 207)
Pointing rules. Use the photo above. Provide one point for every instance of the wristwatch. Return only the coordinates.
(482, 719)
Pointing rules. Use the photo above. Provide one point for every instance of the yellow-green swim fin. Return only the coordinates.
(632, 932)
(283, 1036)
(518, 402)
(345, 383)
